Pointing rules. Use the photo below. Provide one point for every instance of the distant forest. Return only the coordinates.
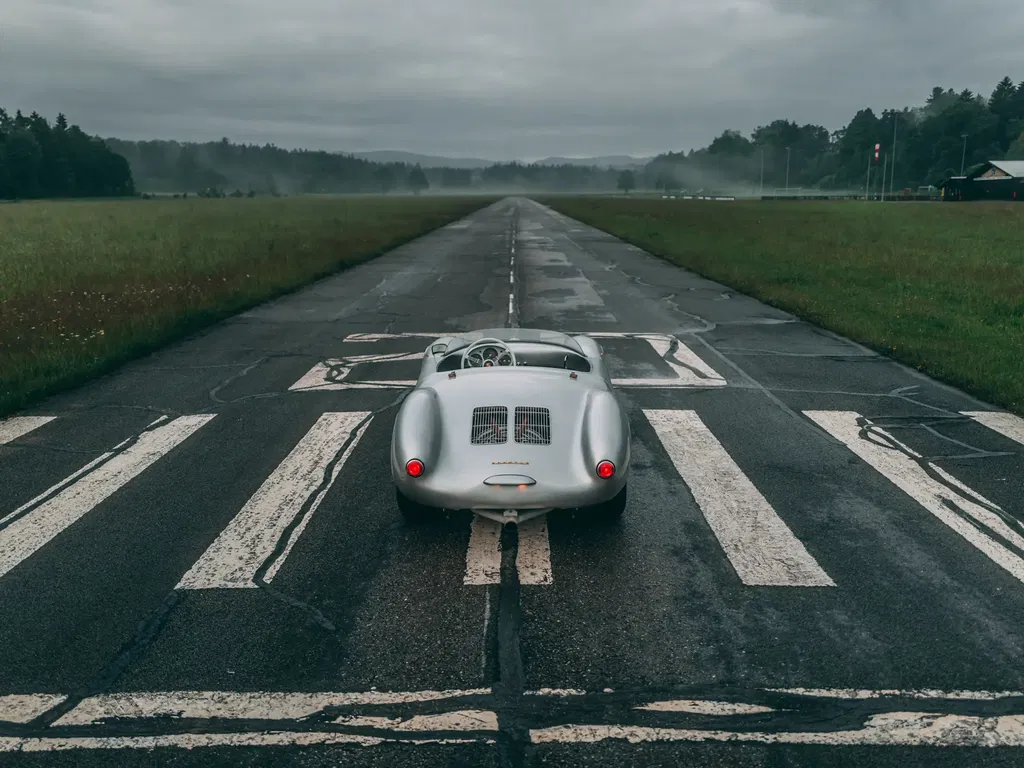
(933, 141)
(60, 160)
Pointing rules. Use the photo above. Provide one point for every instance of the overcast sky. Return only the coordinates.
(516, 78)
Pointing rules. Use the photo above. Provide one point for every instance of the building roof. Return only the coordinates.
(1013, 167)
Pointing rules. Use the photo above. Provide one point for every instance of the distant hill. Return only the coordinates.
(425, 161)
(608, 161)
(437, 161)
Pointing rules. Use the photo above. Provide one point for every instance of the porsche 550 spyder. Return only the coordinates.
(511, 423)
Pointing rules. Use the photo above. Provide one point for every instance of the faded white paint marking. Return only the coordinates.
(889, 729)
(757, 542)
(239, 705)
(699, 707)
(16, 426)
(483, 556)
(21, 708)
(27, 534)
(533, 559)
(198, 740)
(461, 720)
(907, 475)
(338, 370)
(1006, 424)
(683, 359)
(250, 538)
(923, 693)
(65, 482)
(557, 692)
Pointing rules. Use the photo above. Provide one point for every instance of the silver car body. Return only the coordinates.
(523, 470)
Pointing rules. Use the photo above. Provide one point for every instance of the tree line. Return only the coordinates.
(950, 133)
(60, 160)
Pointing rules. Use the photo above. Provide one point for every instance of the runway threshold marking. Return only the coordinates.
(232, 560)
(17, 426)
(1006, 424)
(331, 375)
(760, 546)
(900, 465)
(94, 483)
(267, 719)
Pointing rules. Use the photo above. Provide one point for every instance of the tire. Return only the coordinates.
(611, 510)
(412, 511)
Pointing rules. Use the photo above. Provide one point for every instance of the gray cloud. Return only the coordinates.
(470, 77)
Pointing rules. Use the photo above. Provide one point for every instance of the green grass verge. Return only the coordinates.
(85, 286)
(938, 286)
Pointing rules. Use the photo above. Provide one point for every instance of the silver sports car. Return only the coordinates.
(511, 423)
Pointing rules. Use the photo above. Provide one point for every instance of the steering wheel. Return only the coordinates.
(487, 353)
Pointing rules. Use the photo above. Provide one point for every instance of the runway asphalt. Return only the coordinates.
(821, 560)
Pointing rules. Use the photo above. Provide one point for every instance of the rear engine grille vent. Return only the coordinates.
(533, 425)
(490, 425)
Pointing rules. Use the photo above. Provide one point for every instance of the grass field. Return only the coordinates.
(937, 286)
(87, 285)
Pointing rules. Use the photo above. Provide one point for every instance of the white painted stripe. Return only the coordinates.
(889, 729)
(16, 426)
(460, 720)
(197, 740)
(907, 475)
(700, 707)
(556, 692)
(297, 532)
(483, 556)
(20, 708)
(533, 559)
(923, 693)
(317, 376)
(66, 481)
(250, 538)
(240, 705)
(757, 542)
(1005, 424)
(27, 534)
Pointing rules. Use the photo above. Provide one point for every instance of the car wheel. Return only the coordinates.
(612, 509)
(412, 511)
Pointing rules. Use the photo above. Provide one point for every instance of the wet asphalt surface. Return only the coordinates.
(645, 610)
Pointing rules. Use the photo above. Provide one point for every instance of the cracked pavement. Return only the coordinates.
(646, 627)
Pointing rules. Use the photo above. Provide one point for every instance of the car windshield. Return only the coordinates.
(535, 335)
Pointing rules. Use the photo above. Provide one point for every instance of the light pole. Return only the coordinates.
(762, 171)
(787, 170)
(963, 157)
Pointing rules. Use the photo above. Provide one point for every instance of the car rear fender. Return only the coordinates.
(417, 431)
(605, 431)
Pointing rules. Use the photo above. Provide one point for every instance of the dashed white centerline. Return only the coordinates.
(900, 466)
(233, 559)
(533, 558)
(30, 532)
(760, 546)
(1006, 424)
(16, 426)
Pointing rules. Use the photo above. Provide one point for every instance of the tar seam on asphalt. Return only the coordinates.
(868, 431)
(513, 733)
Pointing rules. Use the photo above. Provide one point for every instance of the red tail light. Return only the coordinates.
(605, 469)
(414, 467)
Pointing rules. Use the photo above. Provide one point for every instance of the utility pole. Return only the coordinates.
(885, 164)
(787, 170)
(892, 168)
(963, 157)
(867, 184)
